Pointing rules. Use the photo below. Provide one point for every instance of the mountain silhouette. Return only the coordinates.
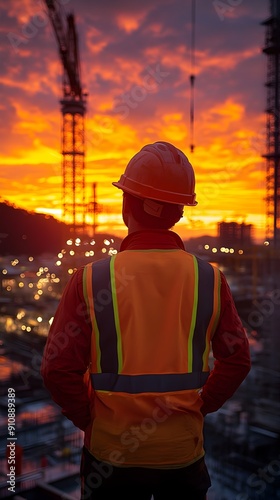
(28, 233)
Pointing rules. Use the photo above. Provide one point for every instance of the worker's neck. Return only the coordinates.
(135, 226)
(132, 228)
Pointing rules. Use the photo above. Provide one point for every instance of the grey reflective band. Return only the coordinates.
(204, 311)
(134, 384)
(104, 315)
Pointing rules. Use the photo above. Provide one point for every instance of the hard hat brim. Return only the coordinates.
(144, 191)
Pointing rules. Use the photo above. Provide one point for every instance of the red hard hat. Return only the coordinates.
(162, 172)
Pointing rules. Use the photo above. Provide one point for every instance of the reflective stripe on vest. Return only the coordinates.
(133, 384)
(100, 293)
(104, 315)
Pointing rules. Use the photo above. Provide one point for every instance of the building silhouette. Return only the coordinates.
(233, 234)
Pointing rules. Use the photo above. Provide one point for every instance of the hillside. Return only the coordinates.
(25, 233)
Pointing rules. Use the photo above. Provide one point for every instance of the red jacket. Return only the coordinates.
(67, 352)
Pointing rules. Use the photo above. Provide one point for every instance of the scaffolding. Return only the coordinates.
(272, 155)
(73, 107)
(73, 164)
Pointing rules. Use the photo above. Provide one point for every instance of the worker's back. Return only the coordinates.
(148, 408)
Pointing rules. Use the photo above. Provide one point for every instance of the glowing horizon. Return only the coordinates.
(135, 65)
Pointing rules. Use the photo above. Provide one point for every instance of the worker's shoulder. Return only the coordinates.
(199, 260)
(105, 261)
(99, 263)
(206, 265)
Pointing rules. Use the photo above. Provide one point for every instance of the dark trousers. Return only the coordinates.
(104, 481)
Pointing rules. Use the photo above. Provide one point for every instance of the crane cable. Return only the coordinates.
(192, 77)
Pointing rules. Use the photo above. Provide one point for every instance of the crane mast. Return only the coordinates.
(272, 155)
(73, 108)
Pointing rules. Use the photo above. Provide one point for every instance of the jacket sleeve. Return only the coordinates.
(231, 353)
(66, 354)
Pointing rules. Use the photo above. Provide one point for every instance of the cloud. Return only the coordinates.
(135, 66)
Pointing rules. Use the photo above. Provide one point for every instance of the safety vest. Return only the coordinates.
(153, 314)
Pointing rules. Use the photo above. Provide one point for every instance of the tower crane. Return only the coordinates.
(272, 155)
(192, 77)
(73, 107)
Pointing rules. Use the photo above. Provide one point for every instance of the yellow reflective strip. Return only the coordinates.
(194, 313)
(116, 313)
(88, 296)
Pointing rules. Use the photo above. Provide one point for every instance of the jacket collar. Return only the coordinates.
(154, 238)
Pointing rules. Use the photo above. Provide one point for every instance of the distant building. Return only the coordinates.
(233, 234)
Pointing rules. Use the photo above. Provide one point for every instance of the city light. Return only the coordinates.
(21, 285)
(20, 314)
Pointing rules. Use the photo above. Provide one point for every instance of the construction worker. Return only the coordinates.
(128, 350)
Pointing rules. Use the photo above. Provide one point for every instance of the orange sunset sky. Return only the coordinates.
(135, 66)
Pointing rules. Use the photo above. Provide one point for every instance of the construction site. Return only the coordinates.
(242, 439)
